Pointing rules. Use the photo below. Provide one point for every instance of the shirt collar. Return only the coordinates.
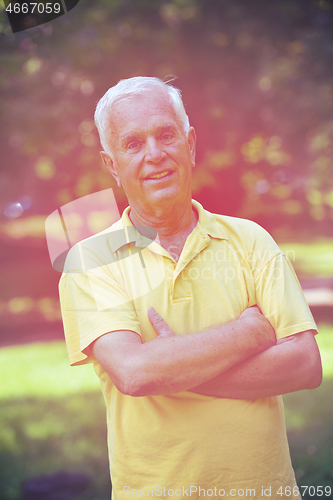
(207, 225)
(124, 233)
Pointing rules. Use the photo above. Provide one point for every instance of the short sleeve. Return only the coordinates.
(81, 296)
(279, 296)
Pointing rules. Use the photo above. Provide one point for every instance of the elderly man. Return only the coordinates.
(191, 367)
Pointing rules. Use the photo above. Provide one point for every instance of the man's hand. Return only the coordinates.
(251, 312)
(264, 330)
(251, 315)
(160, 326)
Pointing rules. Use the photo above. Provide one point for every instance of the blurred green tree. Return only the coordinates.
(257, 83)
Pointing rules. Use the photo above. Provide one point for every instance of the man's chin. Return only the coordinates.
(165, 197)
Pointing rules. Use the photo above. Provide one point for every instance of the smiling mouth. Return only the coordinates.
(159, 176)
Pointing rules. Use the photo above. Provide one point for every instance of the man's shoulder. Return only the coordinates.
(95, 250)
(239, 227)
(243, 235)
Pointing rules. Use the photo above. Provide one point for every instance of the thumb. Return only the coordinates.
(160, 326)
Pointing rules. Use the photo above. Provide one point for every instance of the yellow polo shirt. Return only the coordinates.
(185, 444)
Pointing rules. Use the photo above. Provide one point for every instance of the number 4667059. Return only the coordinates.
(30, 8)
(311, 491)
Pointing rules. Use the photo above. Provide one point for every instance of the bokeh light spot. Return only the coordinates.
(281, 191)
(314, 197)
(276, 157)
(170, 14)
(20, 305)
(49, 308)
(29, 227)
(13, 210)
(329, 198)
(250, 179)
(32, 66)
(265, 83)
(87, 87)
(317, 212)
(86, 126)
(319, 142)
(44, 168)
(97, 221)
(253, 150)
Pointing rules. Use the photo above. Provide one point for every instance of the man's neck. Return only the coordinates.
(167, 223)
(172, 226)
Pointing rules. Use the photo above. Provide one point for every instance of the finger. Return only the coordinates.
(251, 311)
(160, 326)
(255, 308)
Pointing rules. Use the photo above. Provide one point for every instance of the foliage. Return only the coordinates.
(256, 80)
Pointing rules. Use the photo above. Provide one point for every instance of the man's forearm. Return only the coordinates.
(174, 363)
(170, 365)
(291, 365)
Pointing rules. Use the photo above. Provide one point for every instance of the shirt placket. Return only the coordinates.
(196, 242)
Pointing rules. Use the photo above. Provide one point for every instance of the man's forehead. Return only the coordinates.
(142, 111)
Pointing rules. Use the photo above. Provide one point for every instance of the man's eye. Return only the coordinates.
(167, 137)
(133, 145)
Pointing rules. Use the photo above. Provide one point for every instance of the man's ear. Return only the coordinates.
(108, 162)
(192, 139)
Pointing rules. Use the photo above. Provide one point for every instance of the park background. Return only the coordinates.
(257, 82)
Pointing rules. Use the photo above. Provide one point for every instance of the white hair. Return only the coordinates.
(131, 87)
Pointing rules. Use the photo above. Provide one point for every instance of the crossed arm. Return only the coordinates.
(292, 364)
(240, 359)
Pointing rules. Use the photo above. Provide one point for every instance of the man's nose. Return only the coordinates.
(154, 151)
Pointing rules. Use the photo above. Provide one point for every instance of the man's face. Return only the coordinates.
(151, 156)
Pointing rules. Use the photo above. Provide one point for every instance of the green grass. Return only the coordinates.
(311, 259)
(309, 417)
(42, 370)
(325, 344)
(52, 418)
